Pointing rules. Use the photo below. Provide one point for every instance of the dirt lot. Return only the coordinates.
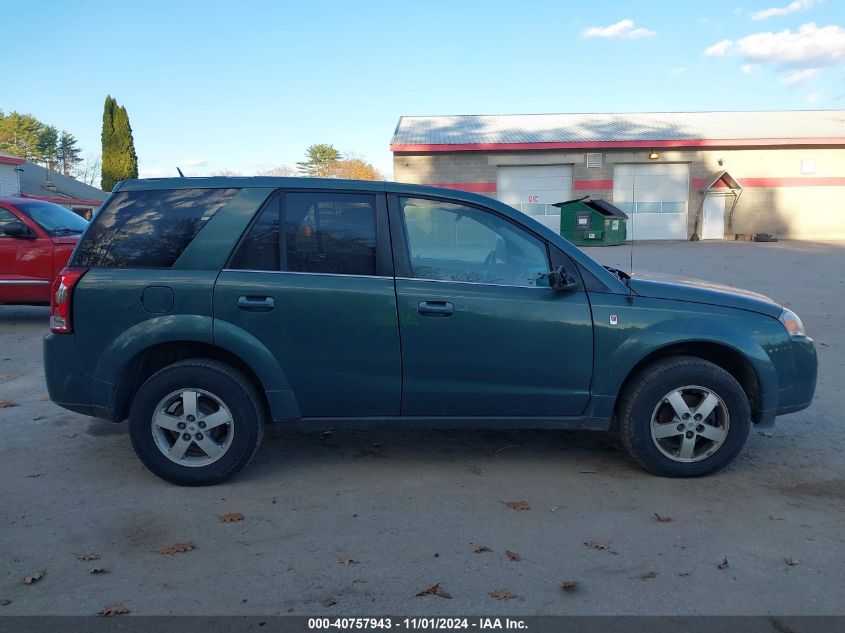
(407, 506)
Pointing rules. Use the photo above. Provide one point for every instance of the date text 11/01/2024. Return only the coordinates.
(421, 623)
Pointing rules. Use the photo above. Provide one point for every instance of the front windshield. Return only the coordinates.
(52, 217)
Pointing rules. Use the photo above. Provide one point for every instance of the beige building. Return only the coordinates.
(711, 175)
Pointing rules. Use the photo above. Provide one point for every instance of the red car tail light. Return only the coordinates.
(60, 299)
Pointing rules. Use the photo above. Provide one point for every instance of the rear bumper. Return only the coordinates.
(68, 384)
(798, 395)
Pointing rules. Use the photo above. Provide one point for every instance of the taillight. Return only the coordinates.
(60, 299)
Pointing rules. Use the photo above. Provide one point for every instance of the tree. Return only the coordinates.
(319, 160)
(355, 169)
(68, 153)
(89, 170)
(46, 145)
(281, 170)
(19, 135)
(119, 158)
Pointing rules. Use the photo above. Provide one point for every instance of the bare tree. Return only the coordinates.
(88, 170)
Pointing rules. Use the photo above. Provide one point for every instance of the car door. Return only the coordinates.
(482, 332)
(312, 279)
(25, 262)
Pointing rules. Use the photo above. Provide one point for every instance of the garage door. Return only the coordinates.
(655, 197)
(533, 189)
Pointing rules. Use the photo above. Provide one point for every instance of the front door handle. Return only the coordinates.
(436, 308)
(254, 303)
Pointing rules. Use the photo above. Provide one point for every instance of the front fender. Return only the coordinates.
(647, 326)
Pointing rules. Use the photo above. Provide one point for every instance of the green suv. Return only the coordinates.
(201, 309)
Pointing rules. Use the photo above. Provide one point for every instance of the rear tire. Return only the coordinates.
(196, 422)
(684, 417)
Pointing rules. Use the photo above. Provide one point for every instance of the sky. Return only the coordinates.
(247, 86)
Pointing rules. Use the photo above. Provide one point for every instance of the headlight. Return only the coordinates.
(792, 323)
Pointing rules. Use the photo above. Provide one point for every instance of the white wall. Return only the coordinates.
(10, 183)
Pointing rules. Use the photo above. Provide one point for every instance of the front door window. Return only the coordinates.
(453, 242)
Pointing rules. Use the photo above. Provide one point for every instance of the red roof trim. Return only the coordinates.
(11, 160)
(797, 181)
(741, 142)
(59, 200)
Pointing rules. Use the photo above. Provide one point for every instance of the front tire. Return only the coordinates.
(196, 422)
(684, 417)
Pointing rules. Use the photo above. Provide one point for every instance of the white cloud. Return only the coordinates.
(747, 69)
(813, 97)
(792, 7)
(623, 30)
(195, 162)
(679, 70)
(156, 172)
(808, 47)
(719, 49)
(798, 77)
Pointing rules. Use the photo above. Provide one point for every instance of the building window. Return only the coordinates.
(808, 166)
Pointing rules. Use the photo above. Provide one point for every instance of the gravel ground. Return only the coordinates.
(407, 506)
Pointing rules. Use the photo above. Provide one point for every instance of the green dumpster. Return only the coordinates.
(588, 222)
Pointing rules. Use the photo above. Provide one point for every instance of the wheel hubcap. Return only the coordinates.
(192, 427)
(690, 423)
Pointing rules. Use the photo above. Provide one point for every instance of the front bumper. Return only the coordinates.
(798, 394)
(68, 384)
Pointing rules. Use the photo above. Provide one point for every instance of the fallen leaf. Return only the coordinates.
(683, 574)
(791, 561)
(345, 560)
(37, 417)
(477, 548)
(88, 556)
(231, 517)
(4, 603)
(111, 610)
(435, 590)
(329, 602)
(723, 564)
(178, 548)
(518, 506)
(34, 577)
(662, 519)
(98, 570)
(596, 545)
(44, 398)
(512, 555)
(502, 594)
(569, 585)
(6, 404)
(649, 575)
(764, 434)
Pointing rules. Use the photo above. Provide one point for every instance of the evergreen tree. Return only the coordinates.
(19, 134)
(46, 145)
(68, 153)
(119, 158)
(319, 161)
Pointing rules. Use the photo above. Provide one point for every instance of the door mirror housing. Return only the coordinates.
(16, 228)
(561, 281)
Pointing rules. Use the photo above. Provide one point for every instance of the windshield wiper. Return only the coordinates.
(65, 231)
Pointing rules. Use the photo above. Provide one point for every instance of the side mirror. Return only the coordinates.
(16, 228)
(562, 281)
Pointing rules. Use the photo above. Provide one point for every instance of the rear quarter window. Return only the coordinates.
(148, 229)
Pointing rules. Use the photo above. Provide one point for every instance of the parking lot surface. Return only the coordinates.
(361, 522)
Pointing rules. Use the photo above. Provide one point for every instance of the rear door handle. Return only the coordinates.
(254, 303)
(436, 308)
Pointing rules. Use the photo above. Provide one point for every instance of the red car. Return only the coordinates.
(36, 240)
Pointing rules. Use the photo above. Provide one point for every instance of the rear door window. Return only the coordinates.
(331, 233)
(148, 229)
